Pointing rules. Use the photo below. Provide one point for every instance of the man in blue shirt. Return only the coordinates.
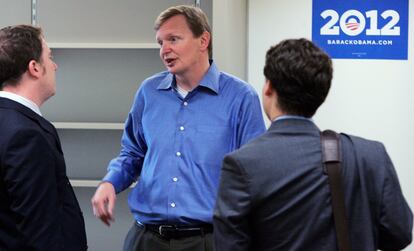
(182, 123)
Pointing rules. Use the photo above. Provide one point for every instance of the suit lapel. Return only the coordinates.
(42, 122)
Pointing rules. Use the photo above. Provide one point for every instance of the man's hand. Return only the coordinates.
(103, 202)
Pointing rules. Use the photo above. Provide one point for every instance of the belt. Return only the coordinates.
(175, 232)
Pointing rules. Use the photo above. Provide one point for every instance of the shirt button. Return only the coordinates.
(181, 128)
(178, 154)
(185, 103)
(175, 179)
(172, 204)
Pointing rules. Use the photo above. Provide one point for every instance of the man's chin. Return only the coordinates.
(172, 70)
(51, 94)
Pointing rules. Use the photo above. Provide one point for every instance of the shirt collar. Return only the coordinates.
(210, 79)
(21, 100)
(282, 117)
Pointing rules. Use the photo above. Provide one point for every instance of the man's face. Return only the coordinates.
(180, 50)
(49, 71)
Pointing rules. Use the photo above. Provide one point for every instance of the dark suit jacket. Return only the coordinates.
(274, 195)
(38, 209)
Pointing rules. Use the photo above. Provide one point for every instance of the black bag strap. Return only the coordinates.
(331, 154)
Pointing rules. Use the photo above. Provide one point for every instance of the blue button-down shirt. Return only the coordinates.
(175, 145)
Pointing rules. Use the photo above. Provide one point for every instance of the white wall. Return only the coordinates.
(229, 36)
(369, 98)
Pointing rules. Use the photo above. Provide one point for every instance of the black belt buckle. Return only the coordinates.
(165, 227)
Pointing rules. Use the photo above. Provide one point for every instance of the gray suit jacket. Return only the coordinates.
(273, 194)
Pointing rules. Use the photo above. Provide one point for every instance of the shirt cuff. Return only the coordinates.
(116, 179)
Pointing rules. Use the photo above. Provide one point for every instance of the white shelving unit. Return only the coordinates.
(84, 183)
(88, 125)
(57, 45)
(89, 183)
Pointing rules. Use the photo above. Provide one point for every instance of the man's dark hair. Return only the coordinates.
(301, 75)
(196, 19)
(18, 46)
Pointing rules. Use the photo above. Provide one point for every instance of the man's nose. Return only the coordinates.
(165, 48)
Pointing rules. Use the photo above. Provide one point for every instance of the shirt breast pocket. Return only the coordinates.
(215, 141)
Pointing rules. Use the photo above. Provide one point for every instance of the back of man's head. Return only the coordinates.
(301, 75)
(18, 45)
(196, 19)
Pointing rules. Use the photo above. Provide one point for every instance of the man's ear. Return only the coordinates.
(205, 40)
(268, 89)
(34, 68)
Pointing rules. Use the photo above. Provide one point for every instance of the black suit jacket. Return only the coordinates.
(274, 195)
(38, 209)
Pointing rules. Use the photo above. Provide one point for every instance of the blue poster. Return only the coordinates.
(361, 29)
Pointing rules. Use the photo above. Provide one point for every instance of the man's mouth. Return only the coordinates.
(169, 61)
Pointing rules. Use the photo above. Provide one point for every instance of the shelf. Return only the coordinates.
(90, 126)
(89, 183)
(103, 45)
(85, 183)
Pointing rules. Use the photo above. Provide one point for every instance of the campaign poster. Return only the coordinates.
(361, 29)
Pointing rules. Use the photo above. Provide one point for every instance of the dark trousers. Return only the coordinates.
(140, 239)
